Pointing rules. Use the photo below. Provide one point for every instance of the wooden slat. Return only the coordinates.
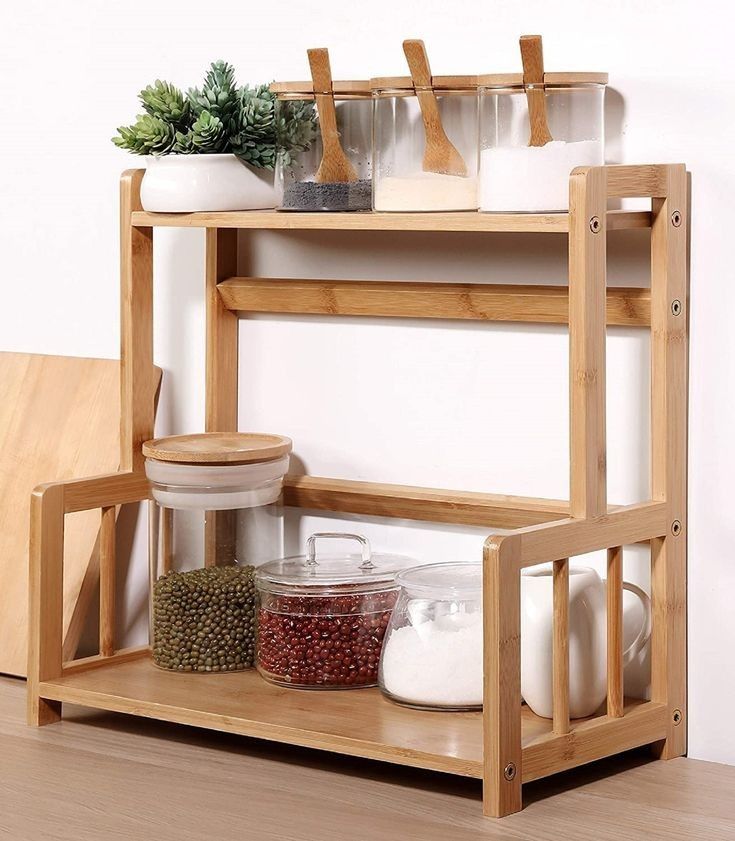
(413, 503)
(221, 371)
(594, 738)
(46, 599)
(560, 656)
(468, 221)
(86, 664)
(167, 540)
(107, 581)
(587, 279)
(104, 491)
(615, 631)
(137, 376)
(669, 454)
(502, 677)
(480, 302)
(648, 181)
(571, 537)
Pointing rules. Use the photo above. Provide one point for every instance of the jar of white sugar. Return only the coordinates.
(425, 144)
(432, 653)
(516, 176)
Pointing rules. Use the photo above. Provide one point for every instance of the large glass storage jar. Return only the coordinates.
(516, 177)
(215, 515)
(401, 180)
(432, 654)
(300, 148)
(322, 618)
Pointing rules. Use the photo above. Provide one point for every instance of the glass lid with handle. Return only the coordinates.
(317, 571)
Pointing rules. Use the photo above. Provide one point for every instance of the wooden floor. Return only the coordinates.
(102, 776)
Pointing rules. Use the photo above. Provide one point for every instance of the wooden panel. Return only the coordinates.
(52, 408)
(669, 453)
(502, 677)
(464, 221)
(568, 538)
(412, 503)
(138, 383)
(587, 279)
(643, 723)
(615, 631)
(560, 655)
(648, 181)
(480, 302)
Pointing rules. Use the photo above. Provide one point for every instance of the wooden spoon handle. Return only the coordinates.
(533, 78)
(321, 77)
(418, 64)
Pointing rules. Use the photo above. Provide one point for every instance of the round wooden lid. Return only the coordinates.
(218, 448)
(513, 80)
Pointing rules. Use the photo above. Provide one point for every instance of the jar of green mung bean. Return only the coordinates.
(215, 515)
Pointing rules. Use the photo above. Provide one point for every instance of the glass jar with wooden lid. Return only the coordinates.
(425, 139)
(324, 132)
(215, 515)
(535, 128)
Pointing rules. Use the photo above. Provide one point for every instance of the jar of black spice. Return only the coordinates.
(322, 620)
(324, 164)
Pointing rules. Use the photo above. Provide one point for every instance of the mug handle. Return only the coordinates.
(640, 641)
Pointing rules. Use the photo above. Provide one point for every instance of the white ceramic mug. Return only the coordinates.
(587, 639)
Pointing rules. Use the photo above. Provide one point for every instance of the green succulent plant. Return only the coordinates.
(219, 117)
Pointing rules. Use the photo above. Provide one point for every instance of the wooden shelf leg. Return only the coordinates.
(502, 682)
(46, 604)
(221, 385)
(669, 317)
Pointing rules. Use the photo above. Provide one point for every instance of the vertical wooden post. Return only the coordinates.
(560, 656)
(587, 317)
(221, 374)
(46, 600)
(167, 539)
(137, 380)
(502, 771)
(615, 632)
(107, 581)
(669, 318)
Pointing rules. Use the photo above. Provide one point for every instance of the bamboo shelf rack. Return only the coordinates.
(505, 745)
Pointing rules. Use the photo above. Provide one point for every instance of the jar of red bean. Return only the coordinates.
(321, 620)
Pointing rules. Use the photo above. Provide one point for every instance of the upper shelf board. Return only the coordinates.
(557, 223)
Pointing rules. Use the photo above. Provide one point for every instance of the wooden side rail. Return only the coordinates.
(408, 299)
(505, 557)
(49, 505)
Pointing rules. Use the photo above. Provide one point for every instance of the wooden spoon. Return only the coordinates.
(533, 75)
(334, 165)
(440, 154)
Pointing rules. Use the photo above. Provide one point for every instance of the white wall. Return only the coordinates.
(69, 74)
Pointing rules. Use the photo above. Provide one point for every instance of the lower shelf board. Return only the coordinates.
(357, 722)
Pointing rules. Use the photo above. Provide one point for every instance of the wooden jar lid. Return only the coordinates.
(405, 83)
(348, 88)
(218, 448)
(515, 80)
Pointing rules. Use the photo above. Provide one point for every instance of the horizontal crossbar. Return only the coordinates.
(428, 504)
(403, 299)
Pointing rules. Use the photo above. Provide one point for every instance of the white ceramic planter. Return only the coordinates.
(190, 183)
(587, 639)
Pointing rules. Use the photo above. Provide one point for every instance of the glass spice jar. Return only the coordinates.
(215, 514)
(401, 181)
(300, 147)
(518, 177)
(321, 622)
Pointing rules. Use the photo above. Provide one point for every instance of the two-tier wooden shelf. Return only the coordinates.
(505, 745)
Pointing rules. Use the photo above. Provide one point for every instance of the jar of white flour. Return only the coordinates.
(516, 177)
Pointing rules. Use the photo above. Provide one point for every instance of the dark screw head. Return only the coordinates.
(676, 307)
(595, 225)
(677, 717)
(509, 771)
(676, 528)
(676, 218)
